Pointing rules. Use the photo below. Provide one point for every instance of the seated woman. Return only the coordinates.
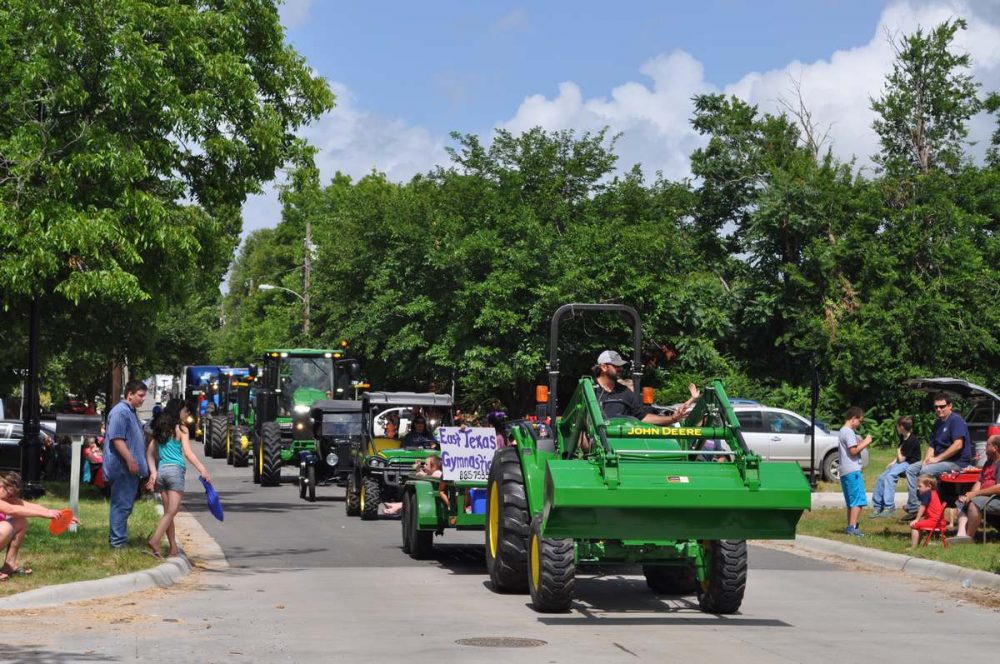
(419, 436)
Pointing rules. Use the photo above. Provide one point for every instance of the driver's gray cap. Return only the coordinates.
(611, 357)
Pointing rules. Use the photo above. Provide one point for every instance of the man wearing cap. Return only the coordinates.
(617, 400)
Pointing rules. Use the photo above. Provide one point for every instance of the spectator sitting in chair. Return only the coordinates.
(931, 510)
(973, 505)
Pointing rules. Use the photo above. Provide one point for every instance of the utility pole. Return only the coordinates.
(31, 444)
(306, 270)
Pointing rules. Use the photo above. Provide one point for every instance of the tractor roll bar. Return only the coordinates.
(553, 366)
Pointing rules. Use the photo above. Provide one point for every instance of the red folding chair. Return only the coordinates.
(939, 529)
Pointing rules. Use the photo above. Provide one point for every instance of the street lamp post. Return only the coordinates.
(305, 304)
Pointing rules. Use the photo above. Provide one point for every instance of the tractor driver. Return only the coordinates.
(617, 400)
(419, 436)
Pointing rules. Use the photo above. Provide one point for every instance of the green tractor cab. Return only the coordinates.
(291, 382)
(679, 500)
(383, 464)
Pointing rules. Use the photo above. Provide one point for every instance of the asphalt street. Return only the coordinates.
(306, 583)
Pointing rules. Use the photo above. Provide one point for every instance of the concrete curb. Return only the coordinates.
(900, 562)
(204, 551)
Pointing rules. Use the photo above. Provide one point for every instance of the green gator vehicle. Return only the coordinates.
(619, 491)
(384, 462)
(290, 383)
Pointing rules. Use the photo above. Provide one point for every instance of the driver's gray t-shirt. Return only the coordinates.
(620, 402)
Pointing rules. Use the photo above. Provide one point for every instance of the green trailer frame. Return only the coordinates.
(432, 506)
(621, 491)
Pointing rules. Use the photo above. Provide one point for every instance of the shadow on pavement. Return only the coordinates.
(460, 558)
(32, 654)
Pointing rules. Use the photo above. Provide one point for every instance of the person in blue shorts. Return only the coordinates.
(851, 479)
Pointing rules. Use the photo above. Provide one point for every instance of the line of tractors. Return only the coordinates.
(570, 489)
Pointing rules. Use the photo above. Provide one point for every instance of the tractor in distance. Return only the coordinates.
(200, 384)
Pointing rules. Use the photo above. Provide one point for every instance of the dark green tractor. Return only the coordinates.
(289, 384)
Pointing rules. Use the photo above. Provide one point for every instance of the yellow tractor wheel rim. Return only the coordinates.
(362, 497)
(494, 519)
(260, 462)
(536, 564)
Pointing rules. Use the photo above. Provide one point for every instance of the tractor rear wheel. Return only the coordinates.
(258, 458)
(507, 524)
(218, 437)
(552, 570)
(408, 501)
(371, 496)
(352, 497)
(270, 454)
(240, 453)
(722, 592)
(665, 580)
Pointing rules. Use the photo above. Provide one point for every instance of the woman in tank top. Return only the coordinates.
(171, 445)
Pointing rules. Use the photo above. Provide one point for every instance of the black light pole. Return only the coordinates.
(31, 444)
(813, 404)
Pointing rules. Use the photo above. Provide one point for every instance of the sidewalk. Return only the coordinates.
(824, 499)
(199, 550)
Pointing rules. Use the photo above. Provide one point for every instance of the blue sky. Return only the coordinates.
(455, 65)
(406, 74)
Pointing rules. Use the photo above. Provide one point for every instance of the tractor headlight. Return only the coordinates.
(299, 426)
(301, 409)
(332, 459)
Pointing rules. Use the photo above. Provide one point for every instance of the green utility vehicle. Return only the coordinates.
(291, 382)
(617, 490)
(385, 459)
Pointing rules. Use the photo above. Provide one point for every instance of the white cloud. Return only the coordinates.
(654, 117)
(294, 13)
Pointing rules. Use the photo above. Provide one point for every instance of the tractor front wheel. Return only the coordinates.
(371, 496)
(206, 435)
(664, 580)
(722, 592)
(240, 453)
(551, 571)
(258, 458)
(507, 524)
(218, 437)
(352, 498)
(270, 456)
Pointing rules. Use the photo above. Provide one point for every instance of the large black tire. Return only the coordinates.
(723, 592)
(302, 483)
(665, 580)
(240, 455)
(311, 488)
(352, 497)
(206, 428)
(270, 463)
(371, 496)
(551, 571)
(421, 541)
(218, 437)
(507, 524)
(408, 515)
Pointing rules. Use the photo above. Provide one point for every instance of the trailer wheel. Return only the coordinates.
(270, 454)
(352, 497)
(722, 592)
(240, 453)
(665, 580)
(551, 571)
(421, 541)
(407, 515)
(371, 496)
(507, 524)
(218, 438)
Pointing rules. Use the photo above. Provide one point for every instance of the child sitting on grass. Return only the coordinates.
(931, 509)
(14, 515)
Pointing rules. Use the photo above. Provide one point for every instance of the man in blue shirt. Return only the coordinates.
(124, 460)
(950, 449)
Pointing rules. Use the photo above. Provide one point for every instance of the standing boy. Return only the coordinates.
(851, 480)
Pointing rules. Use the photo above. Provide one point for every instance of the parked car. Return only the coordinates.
(11, 432)
(984, 405)
(777, 434)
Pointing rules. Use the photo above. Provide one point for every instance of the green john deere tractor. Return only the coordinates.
(225, 416)
(291, 382)
(606, 491)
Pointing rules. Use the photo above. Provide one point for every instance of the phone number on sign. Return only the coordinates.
(472, 475)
